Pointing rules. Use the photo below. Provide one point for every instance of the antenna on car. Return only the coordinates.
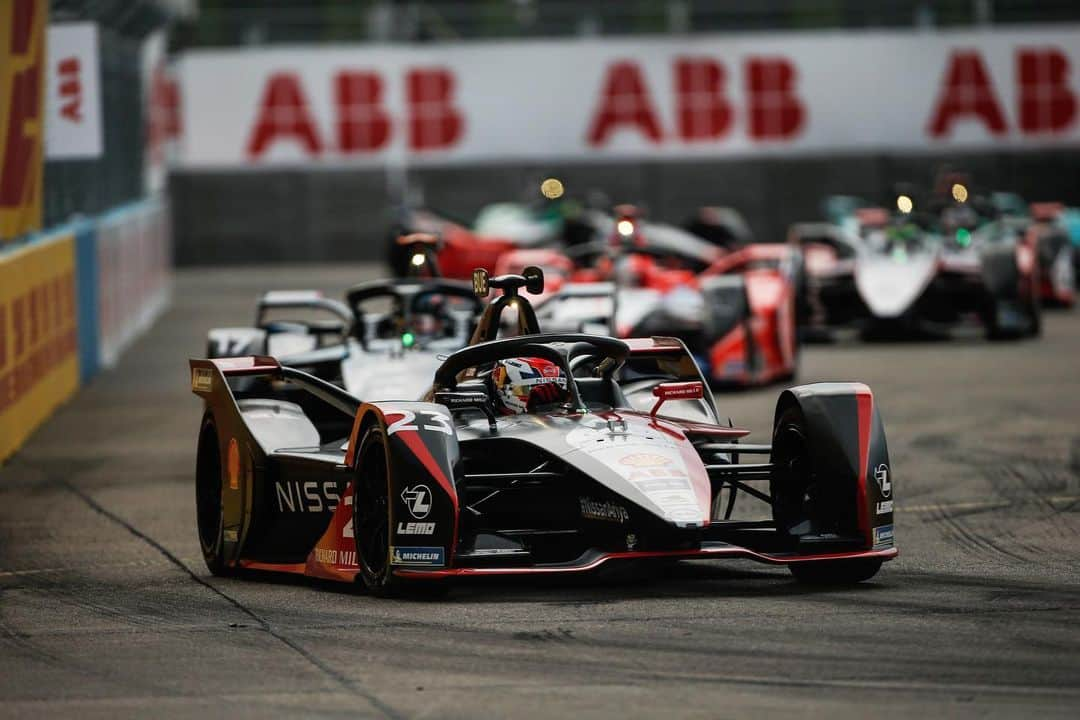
(531, 279)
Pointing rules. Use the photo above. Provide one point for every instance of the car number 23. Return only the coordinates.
(431, 420)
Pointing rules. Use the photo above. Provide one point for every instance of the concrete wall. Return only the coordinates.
(325, 215)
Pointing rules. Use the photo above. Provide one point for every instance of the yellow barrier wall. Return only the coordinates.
(22, 116)
(39, 363)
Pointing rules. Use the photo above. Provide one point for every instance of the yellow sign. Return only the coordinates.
(22, 114)
(39, 358)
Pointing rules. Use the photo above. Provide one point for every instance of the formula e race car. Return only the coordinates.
(563, 226)
(499, 228)
(734, 308)
(541, 453)
(1054, 235)
(912, 271)
(385, 338)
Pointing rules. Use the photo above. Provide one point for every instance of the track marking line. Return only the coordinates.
(985, 504)
(342, 679)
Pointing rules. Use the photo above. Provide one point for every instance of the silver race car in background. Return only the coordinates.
(916, 271)
(386, 338)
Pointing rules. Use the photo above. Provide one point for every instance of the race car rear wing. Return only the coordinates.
(209, 378)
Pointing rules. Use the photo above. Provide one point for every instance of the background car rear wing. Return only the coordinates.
(310, 300)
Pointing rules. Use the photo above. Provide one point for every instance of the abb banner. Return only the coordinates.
(704, 96)
(73, 103)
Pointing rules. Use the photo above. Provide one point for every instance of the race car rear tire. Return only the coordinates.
(1013, 295)
(835, 572)
(371, 512)
(208, 499)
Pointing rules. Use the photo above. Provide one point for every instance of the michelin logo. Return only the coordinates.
(883, 536)
(422, 556)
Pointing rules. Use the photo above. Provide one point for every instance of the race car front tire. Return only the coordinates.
(372, 523)
(371, 512)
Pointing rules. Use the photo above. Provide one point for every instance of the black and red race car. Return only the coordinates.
(625, 459)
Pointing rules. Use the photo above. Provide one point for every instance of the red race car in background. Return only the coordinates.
(1056, 254)
(498, 229)
(733, 307)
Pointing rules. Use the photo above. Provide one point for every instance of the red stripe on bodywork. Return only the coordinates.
(416, 445)
(865, 401)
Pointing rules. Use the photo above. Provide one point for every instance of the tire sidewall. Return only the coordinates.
(376, 581)
(210, 486)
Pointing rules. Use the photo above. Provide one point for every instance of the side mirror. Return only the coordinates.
(663, 392)
(480, 284)
(457, 401)
(534, 280)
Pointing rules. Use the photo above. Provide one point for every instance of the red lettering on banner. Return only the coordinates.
(775, 111)
(163, 115)
(33, 296)
(967, 93)
(16, 177)
(3, 335)
(32, 361)
(703, 111)
(433, 120)
(625, 102)
(57, 307)
(362, 124)
(284, 114)
(70, 89)
(18, 326)
(1046, 102)
(40, 298)
(21, 23)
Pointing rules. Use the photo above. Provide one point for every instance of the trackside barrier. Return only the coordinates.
(71, 300)
(133, 256)
(39, 353)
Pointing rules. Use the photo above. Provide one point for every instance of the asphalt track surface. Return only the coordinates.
(106, 608)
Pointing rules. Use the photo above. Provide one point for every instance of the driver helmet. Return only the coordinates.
(521, 384)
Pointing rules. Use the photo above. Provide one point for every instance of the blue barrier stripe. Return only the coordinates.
(86, 282)
(88, 293)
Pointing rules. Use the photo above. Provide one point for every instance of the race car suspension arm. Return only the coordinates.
(500, 482)
(737, 476)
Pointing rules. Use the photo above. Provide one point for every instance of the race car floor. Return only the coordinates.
(107, 610)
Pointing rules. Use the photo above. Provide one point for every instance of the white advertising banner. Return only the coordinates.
(159, 94)
(73, 100)
(643, 98)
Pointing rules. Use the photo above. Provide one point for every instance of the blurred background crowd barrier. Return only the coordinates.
(136, 132)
